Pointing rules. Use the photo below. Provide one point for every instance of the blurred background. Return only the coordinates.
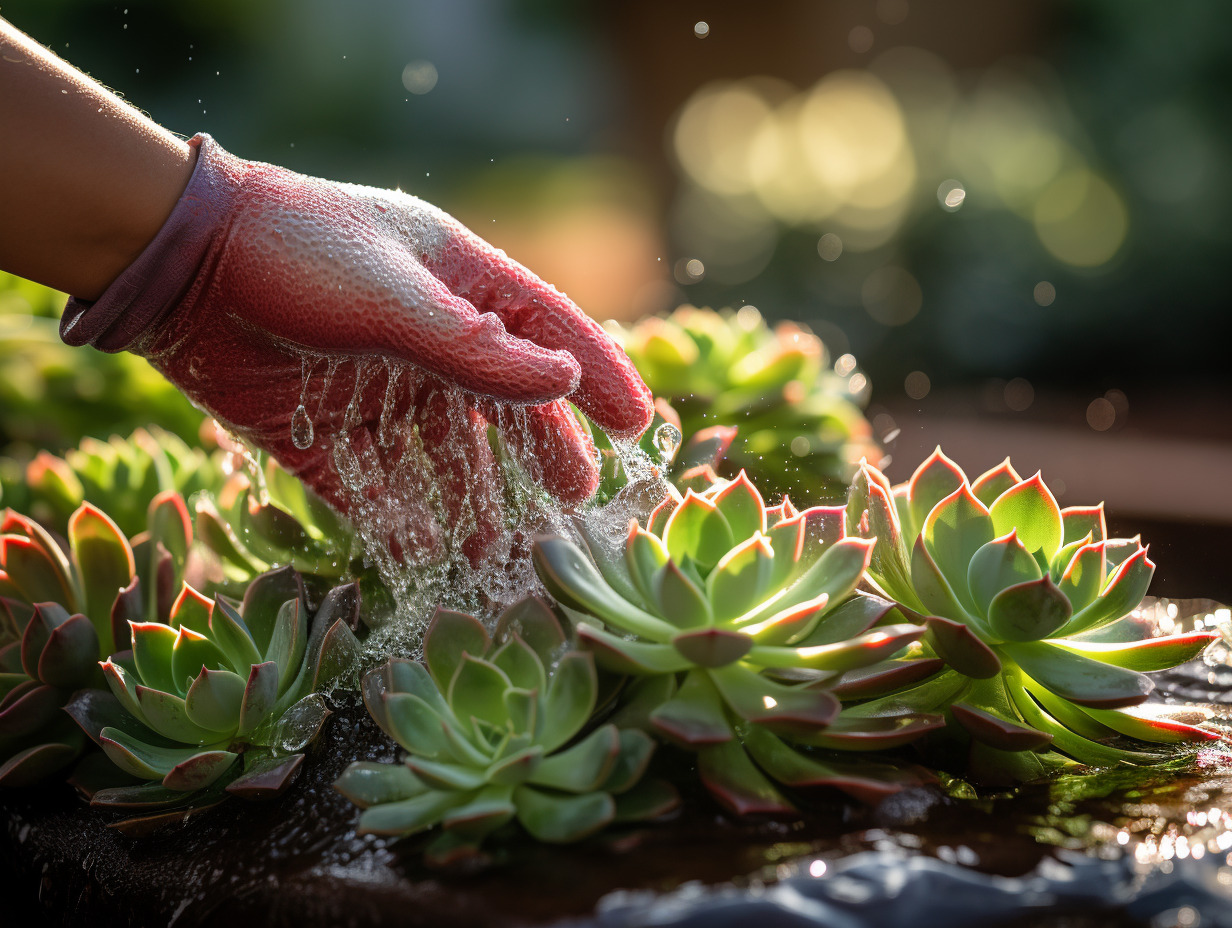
(1015, 215)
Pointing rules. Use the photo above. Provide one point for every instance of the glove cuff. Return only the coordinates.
(164, 273)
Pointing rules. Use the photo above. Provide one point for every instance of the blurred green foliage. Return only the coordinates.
(52, 395)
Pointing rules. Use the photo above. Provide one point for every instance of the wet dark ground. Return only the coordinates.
(1117, 847)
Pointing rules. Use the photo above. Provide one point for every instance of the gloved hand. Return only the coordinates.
(267, 290)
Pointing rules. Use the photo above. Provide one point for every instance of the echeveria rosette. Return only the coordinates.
(1015, 589)
(56, 608)
(493, 729)
(739, 619)
(802, 430)
(215, 682)
(252, 528)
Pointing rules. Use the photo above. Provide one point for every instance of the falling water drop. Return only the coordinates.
(301, 428)
(666, 441)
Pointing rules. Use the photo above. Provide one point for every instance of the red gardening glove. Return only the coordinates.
(267, 290)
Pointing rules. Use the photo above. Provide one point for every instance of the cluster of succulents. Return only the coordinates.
(119, 476)
(801, 426)
(204, 681)
(777, 646)
(492, 726)
(1027, 603)
(738, 623)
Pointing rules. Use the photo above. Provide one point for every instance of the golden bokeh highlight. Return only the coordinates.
(1081, 220)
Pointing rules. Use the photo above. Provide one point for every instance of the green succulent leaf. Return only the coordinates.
(416, 725)
(1031, 510)
(192, 610)
(583, 767)
(573, 580)
(681, 601)
(559, 819)
(954, 530)
(477, 690)
(1005, 734)
(932, 587)
(992, 483)
(214, 700)
(632, 759)
(1145, 656)
(369, 784)
(190, 654)
(737, 784)
(231, 635)
(630, 656)
(1003, 562)
(1080, 521)
(1121, 594)
(446, 776)
(694, 714)
(449, 636)
(742, 506)
(491, 808)
(260, 696)
(785, 709)
(149, 762)
(712, 647)
(569, 701)
(104, 560)
(699, 531)
(961, 648)
(741, 578)
(932, 482)
(153, 649)
(409, 816)
(1028, 611)
(1079, 679)
(1083, 575)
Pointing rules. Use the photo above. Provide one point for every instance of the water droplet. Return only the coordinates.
(666, 441)
(301, 428)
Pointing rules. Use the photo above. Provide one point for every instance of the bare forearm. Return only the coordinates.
(85, 179)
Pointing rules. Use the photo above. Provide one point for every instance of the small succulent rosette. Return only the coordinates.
(56, 604)
(494, 726)
(738, 622)
(220, 698)
(263, 516)
(802, 430)
(1024, 600)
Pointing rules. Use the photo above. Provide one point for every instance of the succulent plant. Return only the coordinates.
(216, 681)
(255, 524)
(493, 728)
(119, 476)
(684, 463)
(1020, 598)
(802, 431)
(55, 624)
(741, 619)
